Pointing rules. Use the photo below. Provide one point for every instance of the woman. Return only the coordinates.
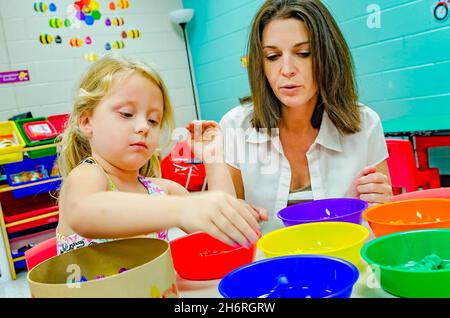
(304, 136)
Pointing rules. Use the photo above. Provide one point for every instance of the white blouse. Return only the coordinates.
(334, 160)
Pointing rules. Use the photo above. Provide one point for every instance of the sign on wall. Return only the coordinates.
(14, 77)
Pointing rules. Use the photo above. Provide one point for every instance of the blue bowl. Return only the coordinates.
(337, 209)
(293, 276)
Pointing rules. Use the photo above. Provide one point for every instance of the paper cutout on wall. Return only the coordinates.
(89, 20)
(88, 40)
(45, 39)
(108, 22)
(67, 23)
(134, 34)
(76, 42)
(58, 39)
(244, 61)
(118, 45)
(40, 7)
(112, 6)
(107, 46)
(52, 7)
(124, 34)
(55, 23)
(94, 5)
(90, 57)
(118, 21)
(123, 4)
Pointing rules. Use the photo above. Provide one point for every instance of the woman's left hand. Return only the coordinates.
(371, 186)
(206, 140)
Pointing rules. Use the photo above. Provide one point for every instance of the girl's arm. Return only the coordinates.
(93, 212)
(207, 142)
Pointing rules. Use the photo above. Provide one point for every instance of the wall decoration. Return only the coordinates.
(52, 7)
(108, 22)
(118, 21)
(124, 34)
(40, 7)
(112, 6)
(45, 39)
(76, 42)
(123, 4)
(118, 45)
(88, 40)
(107, 46)
(244, 61)
(55, 23)
(90, 57)
(134, 34)
(67, 23)
(441, 10)
(14, 77)
(58, 39)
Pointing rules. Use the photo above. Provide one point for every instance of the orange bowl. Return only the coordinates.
(408, 215)
(199, 256)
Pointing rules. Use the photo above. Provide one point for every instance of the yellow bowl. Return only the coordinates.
(339, 239)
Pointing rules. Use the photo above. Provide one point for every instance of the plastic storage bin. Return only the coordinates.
(12, 153)
(39, 130)
(29, 143)
(29, 165)
(59, 122)
(30, 214)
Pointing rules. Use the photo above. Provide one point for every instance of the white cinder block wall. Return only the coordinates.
(56, 69)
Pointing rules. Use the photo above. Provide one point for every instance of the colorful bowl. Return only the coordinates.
(413, 263)
(294, 276)
(134, 267)
(199, 256)
(408, 215)
(339, 239)
(339, 209)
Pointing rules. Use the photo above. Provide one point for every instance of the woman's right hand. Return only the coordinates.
(219, 214)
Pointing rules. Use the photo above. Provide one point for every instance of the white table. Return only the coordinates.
(365, 287)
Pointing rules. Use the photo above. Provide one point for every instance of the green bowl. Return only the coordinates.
(412, 263)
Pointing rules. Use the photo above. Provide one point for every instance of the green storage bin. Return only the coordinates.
(35, 153)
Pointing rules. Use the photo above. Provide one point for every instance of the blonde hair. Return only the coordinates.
(94, 85)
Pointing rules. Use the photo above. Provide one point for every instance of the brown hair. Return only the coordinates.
(94, 85)
(332, 66)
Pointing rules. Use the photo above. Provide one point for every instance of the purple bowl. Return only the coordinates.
(338, 209)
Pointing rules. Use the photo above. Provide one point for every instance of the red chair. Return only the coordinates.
(403, 169)
(440, 193)
(423, 143)
(41, 252)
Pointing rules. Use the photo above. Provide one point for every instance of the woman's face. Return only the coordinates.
(288, 62)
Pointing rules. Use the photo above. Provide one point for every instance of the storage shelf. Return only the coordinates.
(18, 259)
(40, 147)
(3, 226)
(34, 218)
(6, 188)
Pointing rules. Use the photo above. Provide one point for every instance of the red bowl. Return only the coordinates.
(199, 256)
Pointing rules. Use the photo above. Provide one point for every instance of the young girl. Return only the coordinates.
(110, 166)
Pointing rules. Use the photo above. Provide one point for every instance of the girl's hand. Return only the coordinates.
(228, 219)
(206, 140)
(371, 186)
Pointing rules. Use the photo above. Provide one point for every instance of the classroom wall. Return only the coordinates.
(55, 69)
(402, 67)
